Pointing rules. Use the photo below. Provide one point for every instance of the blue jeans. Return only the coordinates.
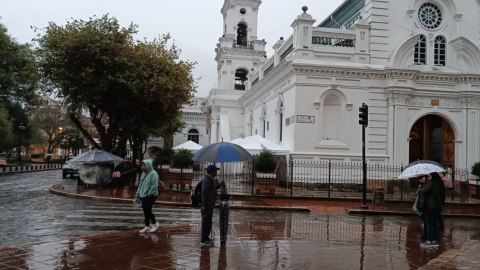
(207, 217)
(431, 220)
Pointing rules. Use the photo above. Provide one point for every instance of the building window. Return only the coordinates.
(263, 121)
(440, 53)
(240, 79)
(280, 122)
(194, 135)
(421, 51)
(430, 16)
(331, 122)
(250, 122)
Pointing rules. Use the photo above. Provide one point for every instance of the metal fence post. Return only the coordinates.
(253, 173)
(453, 186)
(329, 176)
(401, 189)
(291, 176)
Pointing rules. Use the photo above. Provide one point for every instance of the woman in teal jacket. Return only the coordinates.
(148, 192)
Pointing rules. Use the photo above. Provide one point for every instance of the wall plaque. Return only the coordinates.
(435, 102)
(307, 119)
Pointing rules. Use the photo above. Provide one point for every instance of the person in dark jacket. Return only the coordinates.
(209, 196)
(434, 201)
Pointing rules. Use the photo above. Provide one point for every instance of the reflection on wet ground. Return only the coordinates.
(290, 241)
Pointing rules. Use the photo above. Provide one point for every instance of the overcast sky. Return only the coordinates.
(195, 25)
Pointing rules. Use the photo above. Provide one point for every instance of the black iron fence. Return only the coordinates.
(321, 179)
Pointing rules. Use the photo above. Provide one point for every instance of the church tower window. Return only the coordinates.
(421, 51)
(440, 51)
(240, 79)
(241, 35)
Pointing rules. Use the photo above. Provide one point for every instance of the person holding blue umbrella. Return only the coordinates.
(209, 196)
(218, 153)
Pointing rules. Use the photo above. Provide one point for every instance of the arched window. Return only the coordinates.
(250, 124)
(263, 120)
(240, 79)
(440, 51)
(241, 35)
(421, 51)
(331, 122)
(193, 135)
(280, 120)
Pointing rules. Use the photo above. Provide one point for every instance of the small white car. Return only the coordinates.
(69, 168)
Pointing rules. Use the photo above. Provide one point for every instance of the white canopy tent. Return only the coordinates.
(189, 145)
(254, 145)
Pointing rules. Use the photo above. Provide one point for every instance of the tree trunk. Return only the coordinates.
(168, 141)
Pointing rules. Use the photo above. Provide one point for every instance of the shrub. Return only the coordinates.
(165, 155)
(182, 159)
(265, 162)
(476, 169)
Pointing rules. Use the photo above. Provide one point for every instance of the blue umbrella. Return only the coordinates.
(222, 152)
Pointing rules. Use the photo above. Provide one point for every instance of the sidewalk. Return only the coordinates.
(175, 198)
(6, 169)
(320, 242)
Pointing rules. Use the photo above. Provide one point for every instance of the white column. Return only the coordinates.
(215, 119)
(473, 131)
(390, 132)
(400, 140)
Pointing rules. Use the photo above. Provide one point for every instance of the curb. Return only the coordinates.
(2, 173)
(394, 213)
(55, 191)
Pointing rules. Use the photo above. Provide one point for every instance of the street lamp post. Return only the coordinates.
(21, 128)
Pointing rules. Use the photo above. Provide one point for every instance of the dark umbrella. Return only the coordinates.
(222, 152)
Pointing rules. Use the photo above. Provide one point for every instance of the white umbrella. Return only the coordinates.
(420, 170)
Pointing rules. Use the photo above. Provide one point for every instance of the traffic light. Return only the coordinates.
(363, 115)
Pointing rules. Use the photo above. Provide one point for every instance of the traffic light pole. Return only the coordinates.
(364, 204)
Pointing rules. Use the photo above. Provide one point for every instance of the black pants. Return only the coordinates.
(431, 220)
(147, 205)
(207, 217)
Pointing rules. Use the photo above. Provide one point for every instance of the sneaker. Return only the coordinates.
(426, 244)
(207, 243)
(144, 230)
(435, 244)
(154, 227)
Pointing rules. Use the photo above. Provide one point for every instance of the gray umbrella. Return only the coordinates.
(97, 156)
(424, 162)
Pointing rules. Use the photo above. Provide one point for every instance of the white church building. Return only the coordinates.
(415, 63)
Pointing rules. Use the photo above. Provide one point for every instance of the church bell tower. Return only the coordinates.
(239, 50)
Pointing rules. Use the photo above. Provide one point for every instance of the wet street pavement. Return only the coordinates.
(257, 240)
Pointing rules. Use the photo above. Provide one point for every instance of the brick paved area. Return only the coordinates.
(299, 242)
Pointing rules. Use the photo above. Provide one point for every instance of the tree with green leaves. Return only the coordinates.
(19, 81)
(6, 134)
(18, 72)
(131, 88)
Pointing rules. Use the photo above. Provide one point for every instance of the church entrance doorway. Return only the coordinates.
(432, 138)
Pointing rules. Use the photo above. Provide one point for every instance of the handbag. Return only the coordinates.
(137, 203)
